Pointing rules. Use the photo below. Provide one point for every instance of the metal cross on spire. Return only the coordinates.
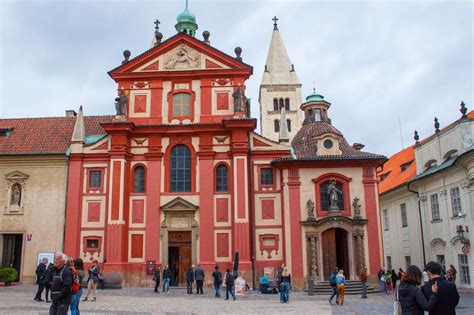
(157, 24)
(275, 24)
(314, 88)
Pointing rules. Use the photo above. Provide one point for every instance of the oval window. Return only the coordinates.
(327, 144)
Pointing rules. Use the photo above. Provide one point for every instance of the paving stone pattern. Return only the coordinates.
(142, 301)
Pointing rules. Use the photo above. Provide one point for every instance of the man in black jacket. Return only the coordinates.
(60, 286)
(199, 275)
(190, 279)
(448, 297)
(40, 278)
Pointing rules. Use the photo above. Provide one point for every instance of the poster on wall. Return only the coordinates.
(269, 272)
(240, 287)
(42, 255)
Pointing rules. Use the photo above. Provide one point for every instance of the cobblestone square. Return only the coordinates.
(133, 300)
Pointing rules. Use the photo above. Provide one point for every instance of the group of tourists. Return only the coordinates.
(337, 281)
(63, 283)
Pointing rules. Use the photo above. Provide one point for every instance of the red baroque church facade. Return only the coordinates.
(179, 177)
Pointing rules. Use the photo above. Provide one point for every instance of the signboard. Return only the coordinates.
(240, 286)
(29, 236)
(50, 257)
(270, 272)
(465, 249)
(150, 267)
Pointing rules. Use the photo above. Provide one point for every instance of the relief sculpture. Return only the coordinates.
(182, 57)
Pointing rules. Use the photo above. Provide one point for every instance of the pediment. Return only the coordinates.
(179, 204)
(180, 53)
(261, 143)
(16, 176)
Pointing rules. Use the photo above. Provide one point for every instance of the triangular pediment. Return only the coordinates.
(180, 53)
(179, 204)
(261, 143)
(16, 176)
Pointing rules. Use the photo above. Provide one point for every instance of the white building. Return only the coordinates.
(426, 197)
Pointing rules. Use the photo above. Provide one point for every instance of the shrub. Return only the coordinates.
(8, 274)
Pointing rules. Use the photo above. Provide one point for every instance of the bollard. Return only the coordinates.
(310, 286)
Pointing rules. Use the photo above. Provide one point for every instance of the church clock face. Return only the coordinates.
(328, 144)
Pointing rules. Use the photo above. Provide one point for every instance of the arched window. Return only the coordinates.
(139, 179)
(288, 124)
(281, 103)
(221, 178)
(275, 104)
(287, 103)
(181, 104)
(327, 189)
(180, 169)
(276, 125)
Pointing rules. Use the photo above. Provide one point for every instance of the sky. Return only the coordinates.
(387, 67)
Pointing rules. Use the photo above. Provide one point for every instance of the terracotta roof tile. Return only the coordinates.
(48, 135)
(392, 170)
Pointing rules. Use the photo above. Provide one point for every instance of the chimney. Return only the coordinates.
(358, 146)
(71, 113)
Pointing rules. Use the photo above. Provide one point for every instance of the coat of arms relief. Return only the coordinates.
(182, 57)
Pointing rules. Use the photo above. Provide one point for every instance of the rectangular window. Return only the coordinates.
(464, 269)
(456, 201)
(434, 207)
(181, 104)
(407, 262)
(92, 243)
(385, 219)
(266, 176)
(441, 261)
(95, 179)
(403, 209)
(389, 262)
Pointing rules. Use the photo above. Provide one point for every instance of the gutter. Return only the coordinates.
(65, 204)
(421, 221)
(251, 210)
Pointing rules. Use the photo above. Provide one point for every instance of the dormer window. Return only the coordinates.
(450, 154)
(405, 166)
(430, 164)
(384, 176)
(316, 114)
(5, 132)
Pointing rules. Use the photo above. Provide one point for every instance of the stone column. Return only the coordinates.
(313, 249)
(359, 238)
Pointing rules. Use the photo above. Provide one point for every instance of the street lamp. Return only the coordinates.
(461, 234)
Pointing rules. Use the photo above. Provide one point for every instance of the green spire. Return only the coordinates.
(186, 22)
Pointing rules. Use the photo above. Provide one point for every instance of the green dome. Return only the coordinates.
(186, 16)
(186, 22)
(315, 97)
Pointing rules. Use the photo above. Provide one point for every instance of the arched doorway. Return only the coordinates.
(335, 250)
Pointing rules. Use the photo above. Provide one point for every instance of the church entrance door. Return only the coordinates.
(179, 255)
(335, 249)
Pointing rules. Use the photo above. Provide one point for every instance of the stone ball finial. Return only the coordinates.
(206, 35)
(126, 56)
(158, 37)
(238, 52)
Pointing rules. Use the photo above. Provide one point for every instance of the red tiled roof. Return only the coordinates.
(392, 169)
(49, 135)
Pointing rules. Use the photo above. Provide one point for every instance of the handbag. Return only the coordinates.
(397, 307)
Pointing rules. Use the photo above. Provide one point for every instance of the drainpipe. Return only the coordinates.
(65, 204)
(421, 222)
(251, 216)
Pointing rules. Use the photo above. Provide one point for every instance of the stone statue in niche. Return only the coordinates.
(333, 194)
(238, 100)
(16, 195)
(310, 208)
(356, 206)
(121, 103)
(182, 57)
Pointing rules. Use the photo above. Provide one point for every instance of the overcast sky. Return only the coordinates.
(377, 62)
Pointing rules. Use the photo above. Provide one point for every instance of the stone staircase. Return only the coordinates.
(352, 288)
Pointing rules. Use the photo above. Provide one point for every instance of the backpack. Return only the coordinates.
(332, 279)
(75, 281)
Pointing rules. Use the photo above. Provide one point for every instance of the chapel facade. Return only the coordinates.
(180, 177)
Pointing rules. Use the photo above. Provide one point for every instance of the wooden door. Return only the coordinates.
(328, 239)
(182, 241)
(184, 262)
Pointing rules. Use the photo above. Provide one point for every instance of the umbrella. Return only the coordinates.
(236, 263)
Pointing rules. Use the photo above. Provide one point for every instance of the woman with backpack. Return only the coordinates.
(217, 275)
(332, 283)
(341, 286)
(93, 279)
(75, 288)
(285, 285)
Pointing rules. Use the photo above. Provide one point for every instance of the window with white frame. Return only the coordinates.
(440, 259)
(403, 210)
(407, 261)
(456, 201)
(385, 219)
(434, 207)
(389, 262)
(464, 269)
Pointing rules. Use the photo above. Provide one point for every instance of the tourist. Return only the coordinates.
(92, 280)
(156, 278)
(401, 273)
(341, 287)
(449, 276)
(264, 284)
(40, 278)
(448, 296)
(388, 281)
(190, 279)
(411, 298)
(332, 283)
(381, 276)
(279, 272)
(217, 275)
(394, 279)
(426, 278)
(229, 284)
(47, 281)
(285, 285)
(363, 280)
(453, 272)
(166, 279)
(79, 267)
(74, 304)
(61, 286)
(175, 274)
(199, 275)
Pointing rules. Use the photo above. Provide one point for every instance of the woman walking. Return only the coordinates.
(217, 275)
(74, 305)
(229, 284)
(411, 298)
(388, 281)
(156, 278)
(341, 286)
(92, 280)
(285, 285)
(166, 279)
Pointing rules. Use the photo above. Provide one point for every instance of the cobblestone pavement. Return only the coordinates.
(19, 300)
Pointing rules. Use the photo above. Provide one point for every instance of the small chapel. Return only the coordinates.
(180, 176)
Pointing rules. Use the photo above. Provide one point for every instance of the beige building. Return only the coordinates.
(33, 177)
